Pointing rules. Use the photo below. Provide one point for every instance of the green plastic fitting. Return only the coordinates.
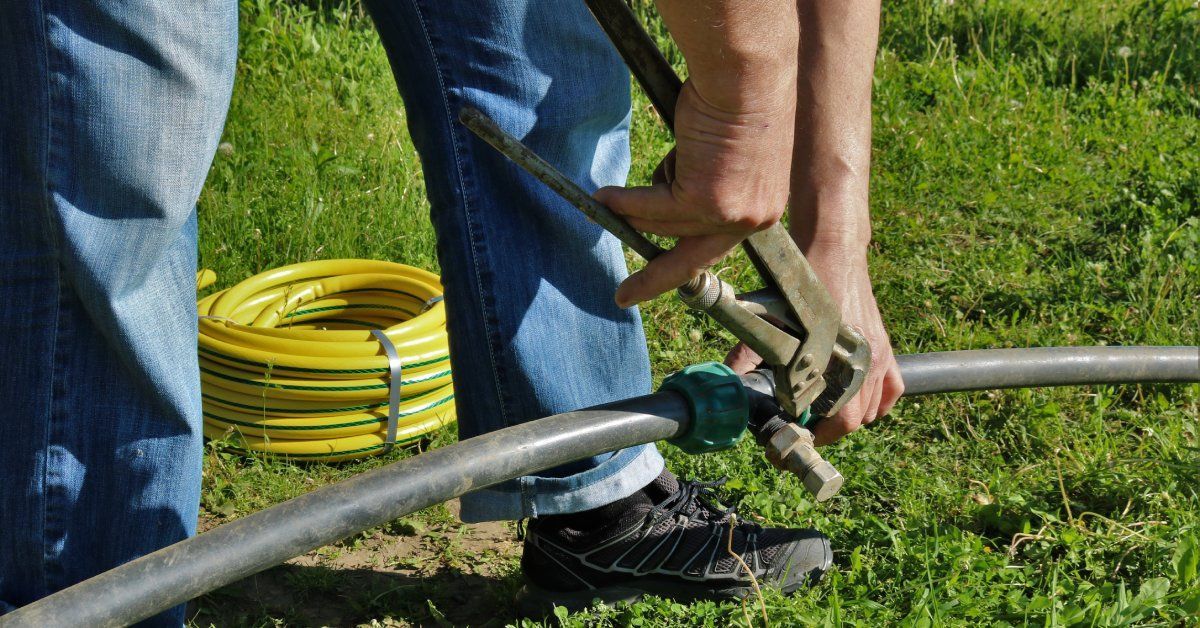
(807, 418)
(719, 404)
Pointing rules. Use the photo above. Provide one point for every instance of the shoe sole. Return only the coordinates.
(535, 602)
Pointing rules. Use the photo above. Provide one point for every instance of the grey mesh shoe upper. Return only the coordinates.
(671, 531)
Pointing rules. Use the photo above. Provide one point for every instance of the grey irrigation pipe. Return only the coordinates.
(175, 574)
(987, 369)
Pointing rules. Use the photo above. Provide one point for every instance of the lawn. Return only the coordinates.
(1036, 182)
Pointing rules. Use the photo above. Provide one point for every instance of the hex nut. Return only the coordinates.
(786, 439)
(823, 481)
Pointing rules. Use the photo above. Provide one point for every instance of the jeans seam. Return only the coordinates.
(48, 221)
(50, 226)
(474, 238)
(54, 510)
(527, 496)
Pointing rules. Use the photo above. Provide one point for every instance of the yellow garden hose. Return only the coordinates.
(289, 362)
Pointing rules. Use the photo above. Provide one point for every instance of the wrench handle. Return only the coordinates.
(520, 154)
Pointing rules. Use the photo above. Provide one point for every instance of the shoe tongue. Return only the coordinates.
(664, 486)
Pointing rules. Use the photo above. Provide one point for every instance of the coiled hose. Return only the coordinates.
(289, 361)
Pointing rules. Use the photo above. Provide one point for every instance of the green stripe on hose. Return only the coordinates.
(300, 369)
(301, 428)
(350, 306)
(250, 382)
(350, 321)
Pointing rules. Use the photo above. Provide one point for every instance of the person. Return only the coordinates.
(112, 113)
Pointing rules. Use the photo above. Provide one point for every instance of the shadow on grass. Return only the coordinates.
(297, 595)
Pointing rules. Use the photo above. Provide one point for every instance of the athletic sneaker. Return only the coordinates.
(669, 539)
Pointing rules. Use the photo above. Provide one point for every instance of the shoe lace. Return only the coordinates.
(693, 496)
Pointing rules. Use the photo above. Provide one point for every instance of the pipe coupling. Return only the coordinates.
(718, 403)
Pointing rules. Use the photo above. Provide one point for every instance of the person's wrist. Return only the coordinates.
(831, 220)
(745, 98)
(757, 80)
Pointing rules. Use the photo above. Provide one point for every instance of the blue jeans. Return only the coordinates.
(529, 281)
(109, 116)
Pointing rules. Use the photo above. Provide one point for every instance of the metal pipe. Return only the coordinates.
(175, 574)
(956, 371)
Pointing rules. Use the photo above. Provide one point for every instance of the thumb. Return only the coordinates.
(690, 257)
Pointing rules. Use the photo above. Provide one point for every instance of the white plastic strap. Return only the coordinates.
(395, 373)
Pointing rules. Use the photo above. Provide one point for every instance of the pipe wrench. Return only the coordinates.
(817, 364)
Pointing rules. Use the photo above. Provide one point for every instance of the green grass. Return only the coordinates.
(1036, 182)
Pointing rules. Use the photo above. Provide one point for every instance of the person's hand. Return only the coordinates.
(843, 270)
(728, 178)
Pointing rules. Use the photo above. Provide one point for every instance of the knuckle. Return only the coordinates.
(726, 214)
(745, 220)
(877, 361)
(882, 356)
(720, 204)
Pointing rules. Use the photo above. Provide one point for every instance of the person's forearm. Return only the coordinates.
(832, 159)
(741, 55)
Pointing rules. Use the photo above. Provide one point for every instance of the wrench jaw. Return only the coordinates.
(766, 320)
(848, 362)
(800, 384)
(848, 366)
(804, 301)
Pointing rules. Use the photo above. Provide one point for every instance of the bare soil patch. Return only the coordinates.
(408, 573)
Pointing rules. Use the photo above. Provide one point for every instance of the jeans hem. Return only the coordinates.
(533, 496)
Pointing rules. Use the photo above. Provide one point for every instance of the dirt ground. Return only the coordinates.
(409, 573)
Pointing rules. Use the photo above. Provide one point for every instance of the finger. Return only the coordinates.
(893, 388)
(665, 172)
(690, 257)
(742, 359)
(876, 394)
(654, 202)
(829, 429)
(675, 229)
(872, 389)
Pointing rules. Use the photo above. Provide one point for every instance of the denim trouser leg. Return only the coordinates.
(529, 281)
(109, 117)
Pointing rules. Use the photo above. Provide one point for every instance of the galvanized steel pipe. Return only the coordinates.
(957, 371)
